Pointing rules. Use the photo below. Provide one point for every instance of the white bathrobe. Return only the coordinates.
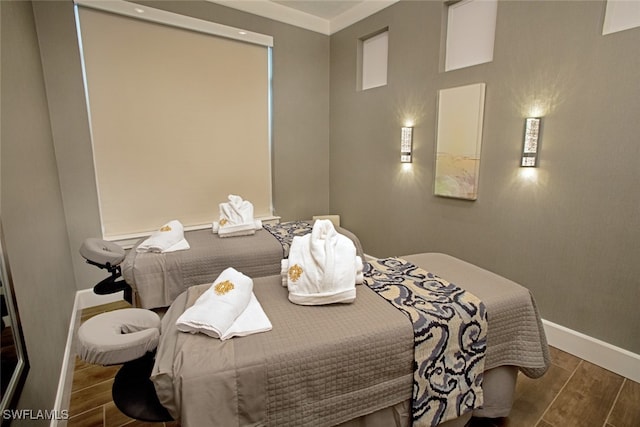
(169, 238)
(228, 308)
(322, 268)
(236, 218)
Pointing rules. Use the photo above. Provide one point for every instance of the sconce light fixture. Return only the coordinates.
(406, 144)
(531, 142)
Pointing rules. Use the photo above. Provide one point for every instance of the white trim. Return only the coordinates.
(278, 12)
(88, 298)
(610, 357)
(83, 299)
(358, 13)
(288, 15)
(57, 406)
(147, 13)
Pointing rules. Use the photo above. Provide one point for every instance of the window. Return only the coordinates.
(471, 27)
(179, 119)
(621, 15)
(374, 60)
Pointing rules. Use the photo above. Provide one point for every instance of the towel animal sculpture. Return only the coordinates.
(169, 238)
(322, 267)
(229, 308)
(236, 218)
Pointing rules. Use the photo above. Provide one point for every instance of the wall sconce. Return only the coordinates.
(531, 142)
(406, 144)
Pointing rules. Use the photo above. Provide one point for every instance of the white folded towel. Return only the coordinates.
(236, 218)
(169, 238)
(228, 308)
(252, 320)
(322, 267)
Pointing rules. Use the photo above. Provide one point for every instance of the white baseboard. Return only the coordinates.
(83, 299)
(610, 357)
(88, 298)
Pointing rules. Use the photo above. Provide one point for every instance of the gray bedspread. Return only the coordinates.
(159, 278)
(320, 365)
(323, 365)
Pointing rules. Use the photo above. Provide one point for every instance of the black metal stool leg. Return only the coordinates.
(134, 393)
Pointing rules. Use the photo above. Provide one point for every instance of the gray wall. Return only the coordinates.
(573, 235)
(300, 115)
(49, 200)
(32, 209)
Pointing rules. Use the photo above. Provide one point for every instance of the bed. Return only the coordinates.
(347, 365)
(158, 278)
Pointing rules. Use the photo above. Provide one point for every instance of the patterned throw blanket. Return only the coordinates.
(450, 329)
(286, 231)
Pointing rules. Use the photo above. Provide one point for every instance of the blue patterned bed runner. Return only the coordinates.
(286, 231)
(450, 330)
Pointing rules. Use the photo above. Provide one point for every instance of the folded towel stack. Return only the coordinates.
(229, 308)
(322, 267)
(169, 238)
(236, 218)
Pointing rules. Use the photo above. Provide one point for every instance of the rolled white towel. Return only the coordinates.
(219, 306)
(169, 238)
(322, 267)
(252, 320)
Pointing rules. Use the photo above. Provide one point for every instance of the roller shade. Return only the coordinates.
(179, 120)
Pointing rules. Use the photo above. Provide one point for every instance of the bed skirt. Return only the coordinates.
(498, 387)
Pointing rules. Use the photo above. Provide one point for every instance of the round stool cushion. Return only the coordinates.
(118, 336)
(101, 251)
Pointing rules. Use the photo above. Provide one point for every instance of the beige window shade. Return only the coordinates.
(179, 120)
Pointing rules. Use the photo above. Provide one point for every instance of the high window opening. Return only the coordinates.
(374, 52)
(471, 27)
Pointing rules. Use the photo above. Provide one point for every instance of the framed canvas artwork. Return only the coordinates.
(459, 139)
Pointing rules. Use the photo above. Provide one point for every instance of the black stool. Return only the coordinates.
(134, 393)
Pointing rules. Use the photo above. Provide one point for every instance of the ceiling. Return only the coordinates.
(323, 16)
(326, 9)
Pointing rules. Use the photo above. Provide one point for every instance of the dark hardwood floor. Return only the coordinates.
(573, 393)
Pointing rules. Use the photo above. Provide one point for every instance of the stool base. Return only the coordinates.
(134, 393)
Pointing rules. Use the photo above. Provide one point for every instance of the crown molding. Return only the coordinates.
(358, 13)
(278, 12)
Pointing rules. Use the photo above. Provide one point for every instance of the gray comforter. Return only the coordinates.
(320, 365)
(159, 278)
(324, 365)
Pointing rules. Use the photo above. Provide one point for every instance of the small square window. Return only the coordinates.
(374, 60)
(471, 27)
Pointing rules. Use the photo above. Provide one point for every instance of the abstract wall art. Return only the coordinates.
(459, 139)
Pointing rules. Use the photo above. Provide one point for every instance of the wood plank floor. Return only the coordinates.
(573, 393)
